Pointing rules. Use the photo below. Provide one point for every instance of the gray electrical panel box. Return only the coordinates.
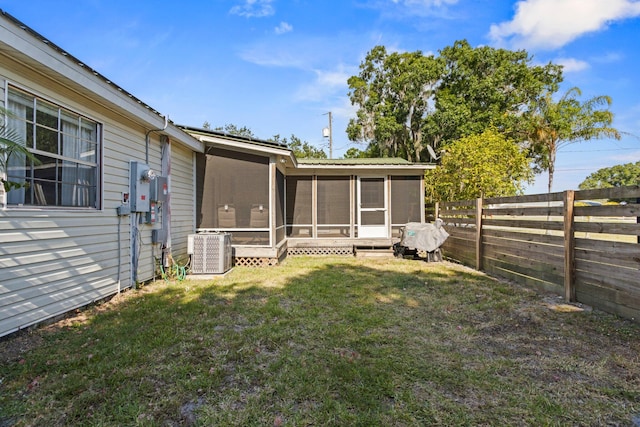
(159, 189)
(140, 176)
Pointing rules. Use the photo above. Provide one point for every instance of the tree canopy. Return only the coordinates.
(393, 93)
(301, 149)
(486, 87)
(614, 176)
(484, 165)
(408, 100)
(232, 129)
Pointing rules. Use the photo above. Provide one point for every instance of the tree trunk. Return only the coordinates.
(552, 164)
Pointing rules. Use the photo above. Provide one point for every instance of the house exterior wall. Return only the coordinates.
(55, 259)
(183, 202)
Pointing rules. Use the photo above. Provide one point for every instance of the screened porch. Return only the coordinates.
(270, 202)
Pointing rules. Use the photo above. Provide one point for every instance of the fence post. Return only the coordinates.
(479, 233)
(569, 247)
(436, 213)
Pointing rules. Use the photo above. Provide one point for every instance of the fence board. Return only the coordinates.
(611, 273)
(520, 223)
(523, 236)
(627, 261)
(544, 253)
(609, 300)
(629, 229)
(458, 245)
(494, 267)
(630, 210)
(609, 246)
(463, 233)
(533, 198)
(630, 192)
(619, 293)
(446, 205)
(551, 272)
(536, 245)
(525, 211)
(452, 220)
(448, 212)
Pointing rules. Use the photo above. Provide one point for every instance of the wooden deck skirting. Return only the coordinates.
(558, 242)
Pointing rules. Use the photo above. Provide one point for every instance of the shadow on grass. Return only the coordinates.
(327, 343)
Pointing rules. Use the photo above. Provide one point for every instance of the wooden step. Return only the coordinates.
(374, 253)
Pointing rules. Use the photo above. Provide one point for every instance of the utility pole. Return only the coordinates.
(328, 132)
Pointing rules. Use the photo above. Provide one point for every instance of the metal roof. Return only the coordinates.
(225, 135)
(378, 161)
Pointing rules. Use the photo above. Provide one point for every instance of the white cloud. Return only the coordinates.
(284, 27)
(551, 24)
(254, 9)
(326, 84)
(572, 65)
(609, 58)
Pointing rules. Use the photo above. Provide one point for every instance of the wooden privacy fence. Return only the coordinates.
(584, 245)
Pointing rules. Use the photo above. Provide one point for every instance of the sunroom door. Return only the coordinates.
(372, 208)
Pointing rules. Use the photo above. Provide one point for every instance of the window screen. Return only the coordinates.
(235, 195)
(334, 205)
(406, 200)
(299, 206)
(280, 212)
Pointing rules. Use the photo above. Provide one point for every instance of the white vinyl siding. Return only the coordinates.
(182, 201)
(55, 260)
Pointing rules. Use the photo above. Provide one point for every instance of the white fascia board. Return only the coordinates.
(177, 134)
(246, 146)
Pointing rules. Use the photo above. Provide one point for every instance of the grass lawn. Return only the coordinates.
(334, 341)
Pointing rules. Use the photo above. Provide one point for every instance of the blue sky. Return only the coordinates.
(278, 67)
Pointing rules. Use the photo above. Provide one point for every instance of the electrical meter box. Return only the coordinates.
(159, 189)
(140, 176)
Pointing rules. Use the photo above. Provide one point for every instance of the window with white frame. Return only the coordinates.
(67, 148)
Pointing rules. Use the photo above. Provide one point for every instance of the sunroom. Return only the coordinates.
(273, 204)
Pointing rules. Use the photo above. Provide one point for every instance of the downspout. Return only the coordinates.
(165, 159)
(134, 224)
(147, 141)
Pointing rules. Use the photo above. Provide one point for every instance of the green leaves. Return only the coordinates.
(393, 92)
(485, 165)
(615, 176)
(11, 144)
(301, 149)
(552, 124)
(409, 100)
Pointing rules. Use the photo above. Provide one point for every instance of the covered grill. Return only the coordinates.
(417, 238)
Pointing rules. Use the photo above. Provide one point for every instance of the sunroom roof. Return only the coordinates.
(357, 161)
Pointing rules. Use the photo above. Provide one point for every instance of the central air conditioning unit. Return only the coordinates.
(211, 253)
